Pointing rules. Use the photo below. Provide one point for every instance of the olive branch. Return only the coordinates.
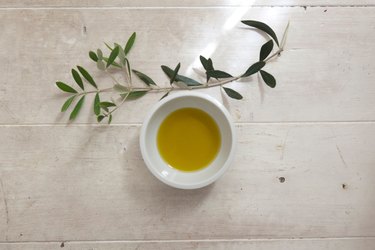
(118, 59)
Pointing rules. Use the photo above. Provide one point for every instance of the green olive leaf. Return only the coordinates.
(210, 64)
(96, 104)
(120, 88)
(263, 27)
(100, 118)
(93, 56)
(107, 104)
(232, 93)
(113, 63)
(87, 76)
(181, 85)
(78, 79)
(118, 45)
(66, 88)
(165, 95)
(109, 47)
(218, 74)
(204, 62)
(130, 42)
(67, 103)
(175, 71)
(77, 108)
(188, 81)
(268, 78)
(146, 79)
(254, 68)
(100, 54)
(113, 56)
(265, 50)
(104, 108)
(169, 72)
(110, 119)
(100, 65)
(207, 65)
(121, 55)
(128, 68)
(134, 95)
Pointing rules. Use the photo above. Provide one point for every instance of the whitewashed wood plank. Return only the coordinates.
(90, 183)
(325, 74)
(181, 3)
(278, 244)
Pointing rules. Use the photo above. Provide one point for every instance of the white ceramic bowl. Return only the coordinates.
(174, 177)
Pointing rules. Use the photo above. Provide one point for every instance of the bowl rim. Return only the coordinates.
(216, 175)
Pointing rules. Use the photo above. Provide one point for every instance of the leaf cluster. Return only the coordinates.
(118, 59)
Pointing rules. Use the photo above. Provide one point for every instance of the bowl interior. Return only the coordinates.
(160, 168)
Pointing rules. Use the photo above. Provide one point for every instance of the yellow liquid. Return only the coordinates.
(188, 139)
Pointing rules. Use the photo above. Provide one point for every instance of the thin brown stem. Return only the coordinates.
(95, 91)
(150, 89)
(274, 54)
(283, 40)
(119, 105)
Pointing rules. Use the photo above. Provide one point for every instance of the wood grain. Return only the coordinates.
(303, 177)
(181, 3)
(90, 183)
(277, 244)
(325, 74)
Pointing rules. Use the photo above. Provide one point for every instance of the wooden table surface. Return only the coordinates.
(85, 186)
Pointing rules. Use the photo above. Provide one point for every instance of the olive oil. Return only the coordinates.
(188, 139)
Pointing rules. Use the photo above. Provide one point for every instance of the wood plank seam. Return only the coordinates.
(198, 240)
(186, 7)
